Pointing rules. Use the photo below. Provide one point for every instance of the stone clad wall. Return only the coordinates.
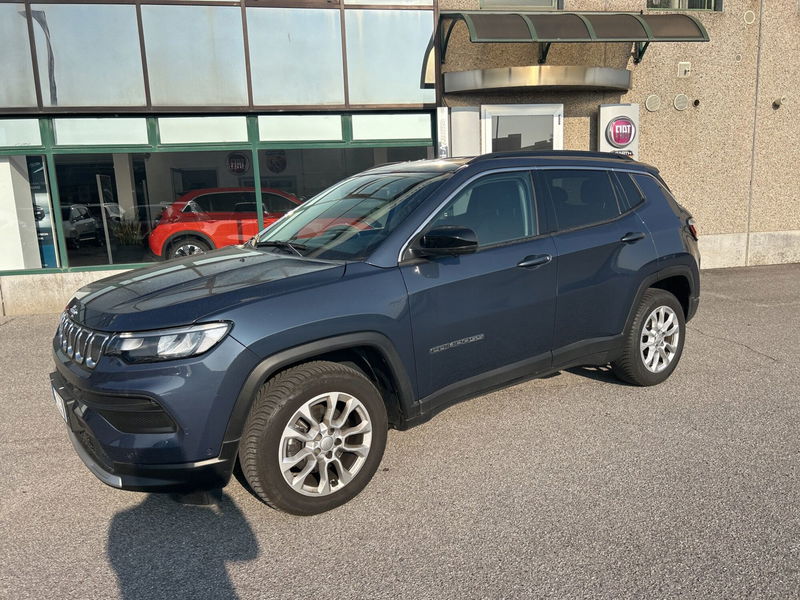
(710, 153)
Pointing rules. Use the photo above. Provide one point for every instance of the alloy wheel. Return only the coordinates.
(188, 249)
(325, 444)
(658, 344)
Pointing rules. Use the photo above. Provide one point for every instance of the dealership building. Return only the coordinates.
(111, 111)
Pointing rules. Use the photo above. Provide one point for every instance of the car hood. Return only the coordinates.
(183, 291)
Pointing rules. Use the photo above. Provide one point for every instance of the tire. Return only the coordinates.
(641, 362)
(300, 397)
(188, 246)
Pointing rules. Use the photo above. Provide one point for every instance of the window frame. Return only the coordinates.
(717, 6)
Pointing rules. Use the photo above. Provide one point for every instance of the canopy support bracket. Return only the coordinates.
(641, 48)
(445, 38)
(544, 50)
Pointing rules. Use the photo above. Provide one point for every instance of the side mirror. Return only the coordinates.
(447, 241)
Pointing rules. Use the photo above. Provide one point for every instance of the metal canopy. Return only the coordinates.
(549, 27)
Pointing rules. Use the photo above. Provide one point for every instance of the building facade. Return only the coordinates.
(111, 112)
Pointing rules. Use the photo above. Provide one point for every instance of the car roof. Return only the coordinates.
(191, 195)
(523, 158)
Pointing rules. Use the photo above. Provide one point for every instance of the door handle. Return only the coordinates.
(632, 236)
(536, 260)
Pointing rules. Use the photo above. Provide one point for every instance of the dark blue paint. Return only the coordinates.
(448, 319)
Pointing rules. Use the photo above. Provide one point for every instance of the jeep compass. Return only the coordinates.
(384, 299)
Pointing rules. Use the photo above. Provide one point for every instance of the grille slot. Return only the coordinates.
(81, 344)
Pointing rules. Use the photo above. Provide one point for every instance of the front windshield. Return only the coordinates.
(350, 219)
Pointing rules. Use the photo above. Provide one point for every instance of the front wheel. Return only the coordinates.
(314, 438)
(654, 341)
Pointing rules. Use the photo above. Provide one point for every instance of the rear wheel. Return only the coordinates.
(654, 341)
(188, 246)
(314, 438)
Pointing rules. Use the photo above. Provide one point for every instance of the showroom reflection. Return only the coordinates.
(141, 207)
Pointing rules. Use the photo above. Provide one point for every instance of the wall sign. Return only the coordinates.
(620, 132)
(276, 160)
(619, 129)
(238, 163)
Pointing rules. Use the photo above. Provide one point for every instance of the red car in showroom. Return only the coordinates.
(202, 220)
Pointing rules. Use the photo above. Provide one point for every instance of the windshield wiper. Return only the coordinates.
(296, 248)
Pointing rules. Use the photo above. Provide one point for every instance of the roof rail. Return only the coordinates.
(553, 153)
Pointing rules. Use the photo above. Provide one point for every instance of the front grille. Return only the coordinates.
(81, 344)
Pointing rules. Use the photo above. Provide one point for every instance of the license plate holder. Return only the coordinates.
(60, 405)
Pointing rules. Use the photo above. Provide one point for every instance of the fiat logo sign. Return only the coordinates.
(238, 163)
(620, 132)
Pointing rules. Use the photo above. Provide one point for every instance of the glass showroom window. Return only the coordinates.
(88, 55)
(195, 55)
(295, 56)
(140, 207)
(27, 237)
(16, 72)
(385, 52)
(304, 172)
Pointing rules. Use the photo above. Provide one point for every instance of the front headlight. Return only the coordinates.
(167, 344)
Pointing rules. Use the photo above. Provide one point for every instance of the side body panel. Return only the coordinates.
(475, 313)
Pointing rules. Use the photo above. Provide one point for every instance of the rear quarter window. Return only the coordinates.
(630, 194)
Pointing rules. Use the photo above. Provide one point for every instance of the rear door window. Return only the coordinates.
(202, 203)
(224, 201)
(580, 197)
(245, 202)
(274, 203)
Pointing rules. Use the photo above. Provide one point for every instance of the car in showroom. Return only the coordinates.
(381, 301)
(206, 219)
(79, 225)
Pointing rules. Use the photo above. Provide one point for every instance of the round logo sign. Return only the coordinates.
(276, 160)
(620, 132)
(238, 163)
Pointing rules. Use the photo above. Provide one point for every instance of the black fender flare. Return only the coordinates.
(185, 233)
(692, 275)
(274, 363)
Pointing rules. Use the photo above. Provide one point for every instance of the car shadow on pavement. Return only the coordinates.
(598, 374)
(162, 549)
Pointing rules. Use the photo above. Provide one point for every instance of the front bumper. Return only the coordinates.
(162, 477)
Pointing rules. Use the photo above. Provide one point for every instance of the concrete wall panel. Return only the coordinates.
(41, 294)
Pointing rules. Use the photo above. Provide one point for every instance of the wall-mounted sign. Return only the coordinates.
(276, 160)
(238, 163)
(619, 129)
(620, 132)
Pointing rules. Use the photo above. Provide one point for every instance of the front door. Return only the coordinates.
(473, 130)
(514, 127)
(488, 311)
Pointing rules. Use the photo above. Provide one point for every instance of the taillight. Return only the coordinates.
(692, 229)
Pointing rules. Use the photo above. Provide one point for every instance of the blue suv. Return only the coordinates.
(386, 298)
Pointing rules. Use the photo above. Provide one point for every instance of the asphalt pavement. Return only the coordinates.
(574, 486)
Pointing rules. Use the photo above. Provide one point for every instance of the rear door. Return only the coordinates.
(490, 311)
(604, 250)
(226, 220)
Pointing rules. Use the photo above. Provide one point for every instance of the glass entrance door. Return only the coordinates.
(511, 127)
